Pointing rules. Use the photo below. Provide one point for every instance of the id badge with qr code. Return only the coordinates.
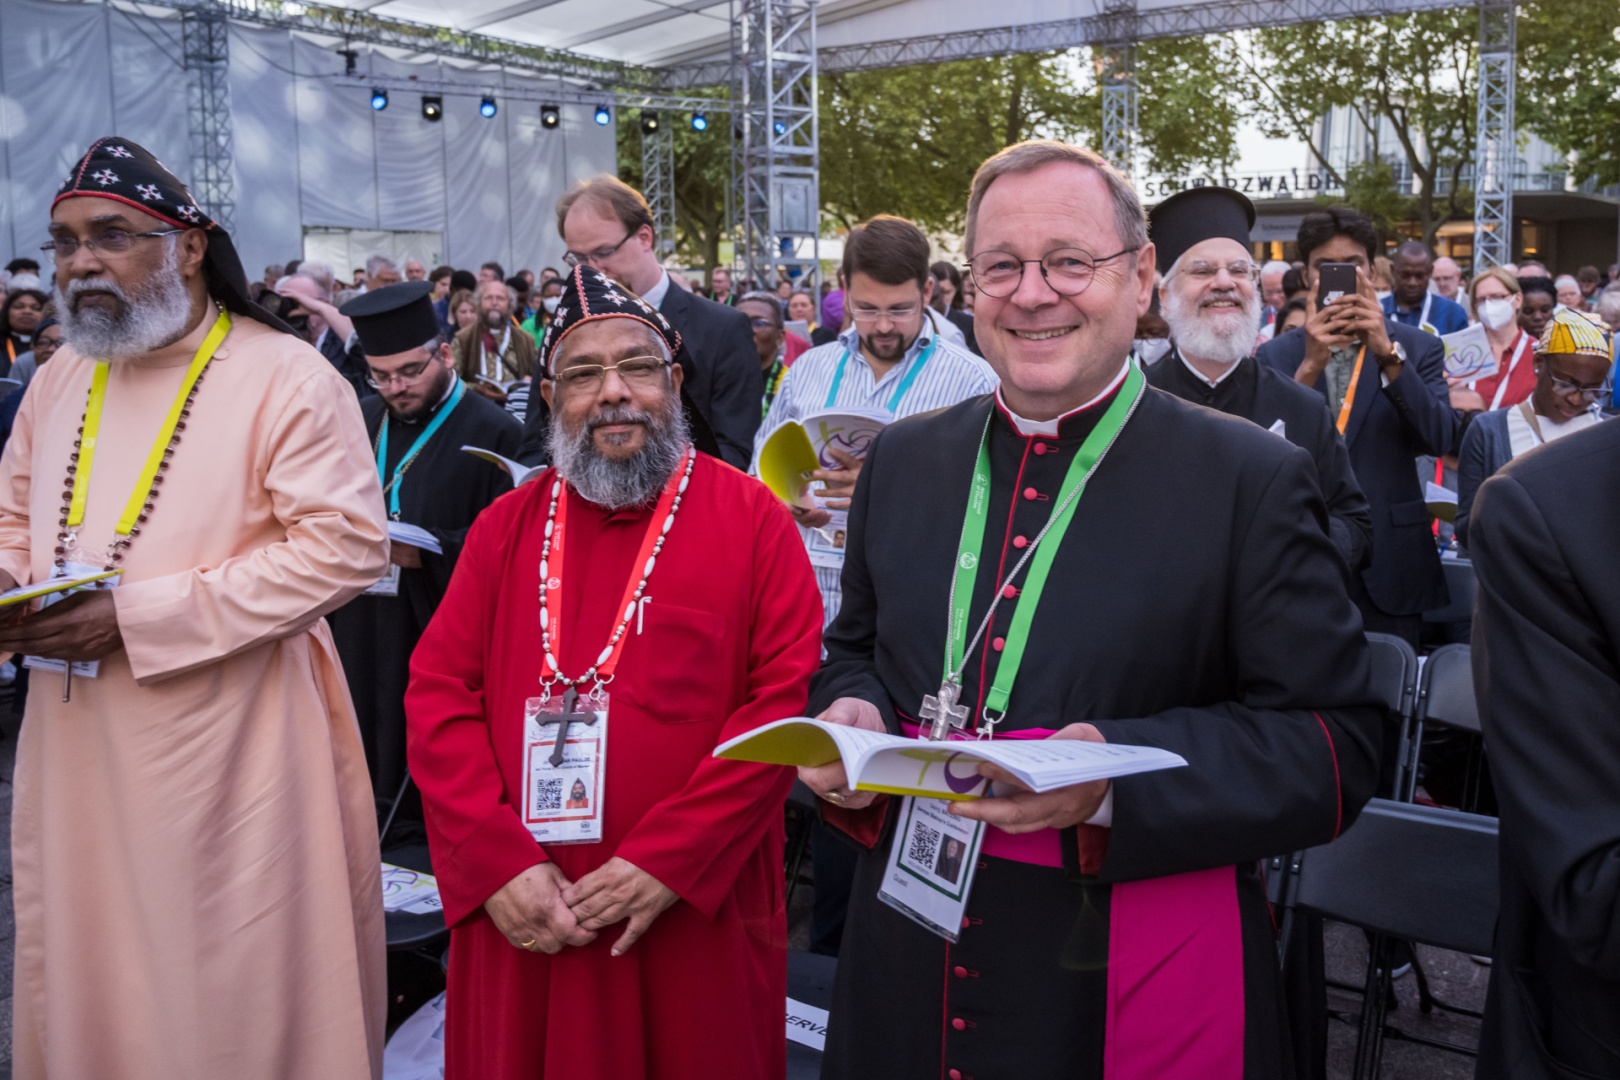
(84, 669)
(565, 783)
(931, 866)
(387, 585)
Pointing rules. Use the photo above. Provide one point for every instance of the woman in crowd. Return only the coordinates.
(1292, 314)
(947, 300)
(47, 339)
(1540, 301)
(19, 318)
(463, 310)
(1572, 363)
(801, 307)
(1496, 299)
(777, 348)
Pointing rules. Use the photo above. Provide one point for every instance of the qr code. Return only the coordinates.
(548, 794)
(924, 845)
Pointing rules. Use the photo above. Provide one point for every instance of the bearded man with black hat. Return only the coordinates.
(418, 421)
(1208, 297)
(197, 883)
(640, 931)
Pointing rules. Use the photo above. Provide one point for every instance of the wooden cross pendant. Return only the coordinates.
(568, 716)
(942, 711)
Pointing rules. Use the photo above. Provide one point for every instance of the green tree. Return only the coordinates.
(1417, 73)
(702, 174)
(1568, 76)
(1188, 106)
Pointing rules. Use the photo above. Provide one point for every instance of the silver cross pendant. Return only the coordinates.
(942, 712)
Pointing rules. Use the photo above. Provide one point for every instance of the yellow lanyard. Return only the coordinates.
(92, 425)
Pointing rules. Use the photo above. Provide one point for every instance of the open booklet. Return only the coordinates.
(415, 536)
(796, 448)
(520, 474)
(497, 384)
(23, 593)
(1469, 354)
(878, 761)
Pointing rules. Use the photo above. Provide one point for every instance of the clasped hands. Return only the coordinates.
(81, 627)
(1019, 810)
(540, 910)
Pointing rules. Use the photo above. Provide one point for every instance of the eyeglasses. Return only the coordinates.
(635, 370)
(1565, 388)
(894, 314)
(601, 254)
(1203, 272)
(1068, 271)
(106, 242)
(761, 324)
(46, 345)
(404, 376)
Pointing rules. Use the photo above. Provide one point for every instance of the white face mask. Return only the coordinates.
(550, 304)
(1151, 350)
(1495, 314)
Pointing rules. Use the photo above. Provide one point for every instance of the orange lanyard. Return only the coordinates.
(1350, 392)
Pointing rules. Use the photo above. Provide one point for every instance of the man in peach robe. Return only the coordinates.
(194, 842)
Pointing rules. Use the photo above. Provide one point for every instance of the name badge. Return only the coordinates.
(565, 767)
(931, 866)
(88, 669)
(826, 544)
(387, 585)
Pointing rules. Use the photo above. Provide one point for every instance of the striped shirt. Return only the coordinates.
(951, 374)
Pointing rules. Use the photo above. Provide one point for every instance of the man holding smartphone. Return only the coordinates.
(1386, 389)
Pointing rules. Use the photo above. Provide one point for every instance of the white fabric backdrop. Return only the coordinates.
(308, 152)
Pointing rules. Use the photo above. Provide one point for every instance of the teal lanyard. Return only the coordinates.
(900, 391)
(1039, 554)
(392, 488)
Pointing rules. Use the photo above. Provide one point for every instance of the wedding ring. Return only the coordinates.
(527, 944)
(833, 797)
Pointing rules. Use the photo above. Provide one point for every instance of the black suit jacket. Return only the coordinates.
(1545, 539)
(1389, 428)
(724, 383)
(350, 363)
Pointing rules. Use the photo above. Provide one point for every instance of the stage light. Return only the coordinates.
(379, 99)
(649, 122)
(432, 108)
(604, 115)
(486, 107)
(700, 122)
(351, 60)
(781, 128)
(549, 116)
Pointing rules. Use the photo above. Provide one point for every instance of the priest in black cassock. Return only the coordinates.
(1210, 300)
(1185, 596)
(418, 421)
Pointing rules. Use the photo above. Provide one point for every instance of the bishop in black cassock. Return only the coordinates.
(1195, 604)
(441, 489)
(1213, 319)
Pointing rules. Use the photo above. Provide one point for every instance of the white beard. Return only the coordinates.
(618, 485)
(1217, 338)
(157, 314)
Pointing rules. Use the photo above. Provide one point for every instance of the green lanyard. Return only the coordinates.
(392, 489)
(900, 391)
(1040, 554)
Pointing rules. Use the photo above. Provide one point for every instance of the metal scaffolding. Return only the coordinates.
(781, 199)
(205, 40)
(1495, 150)
(658, 183)
(1117, 76)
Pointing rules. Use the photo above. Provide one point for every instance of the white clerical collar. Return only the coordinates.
(1205, 379)
(1049, 428)
(655, 295)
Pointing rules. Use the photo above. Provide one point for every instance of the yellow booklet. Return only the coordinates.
(799, 447)
(24, 593)
(878, 761)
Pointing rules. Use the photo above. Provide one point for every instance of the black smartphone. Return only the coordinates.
(1334, 280)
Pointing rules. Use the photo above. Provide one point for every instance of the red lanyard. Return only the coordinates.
(655, 528)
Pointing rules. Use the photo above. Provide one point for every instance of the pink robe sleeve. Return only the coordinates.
(478, 839)
(698, 840)
(323, 491)
(16, 481)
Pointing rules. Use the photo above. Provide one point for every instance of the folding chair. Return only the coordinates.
(1446, 697)
(1404, 872)
(1459, 574)
(810, 981)
(803, 819)
(422, 933)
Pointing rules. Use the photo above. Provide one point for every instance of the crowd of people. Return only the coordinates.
(499, 562)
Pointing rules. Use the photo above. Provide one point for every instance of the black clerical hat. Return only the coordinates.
(394, 319)
(1195, 215)
(589, 295)
(116, 168)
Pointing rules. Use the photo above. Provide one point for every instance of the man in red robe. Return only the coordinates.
(686, 610)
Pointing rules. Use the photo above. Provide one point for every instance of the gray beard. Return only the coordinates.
(147, 319)
(1202, 338)
(620, 485)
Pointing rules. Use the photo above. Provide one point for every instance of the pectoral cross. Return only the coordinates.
(564, 718)
(942, 711)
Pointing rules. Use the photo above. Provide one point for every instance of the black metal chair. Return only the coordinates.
(809, 980)
(1446, 697)
(802, 820)
(420, 932)
(1404, 872)
(1459, 574)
